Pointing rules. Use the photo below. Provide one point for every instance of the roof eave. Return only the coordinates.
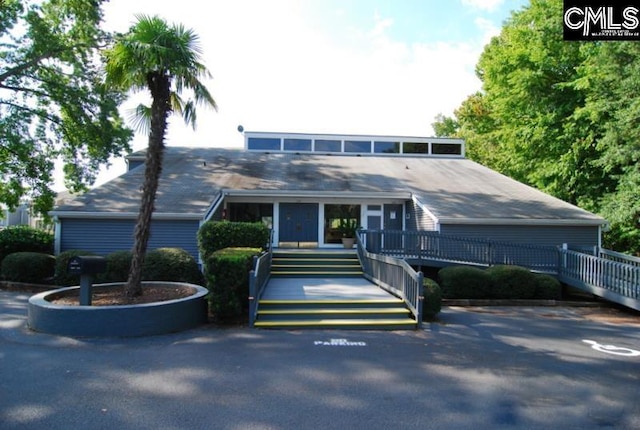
(525, 222)
(125, 215)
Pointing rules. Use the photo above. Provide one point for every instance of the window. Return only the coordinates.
(415, 148)
(357, 146)
(386, 147)
(446, 149)
(336, 220)
(297, 144)
(264, 143)
(251, 212)
(328, 146)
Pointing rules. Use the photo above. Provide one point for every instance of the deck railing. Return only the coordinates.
(609, 274)
(619, 257)
(258, 279)
(610, 279)
(394, 275)
(435, 247)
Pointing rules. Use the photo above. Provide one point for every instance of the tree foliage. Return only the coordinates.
(163, 59)
(561, 116)
(53, 102)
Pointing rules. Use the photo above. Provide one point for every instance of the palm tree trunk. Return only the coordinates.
(160, 85)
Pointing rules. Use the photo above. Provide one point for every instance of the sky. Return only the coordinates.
(381, 67)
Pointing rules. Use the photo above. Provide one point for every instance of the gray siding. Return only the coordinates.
(418, 219)
(532, 235)
(103, 236)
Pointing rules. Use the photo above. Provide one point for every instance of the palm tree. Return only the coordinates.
(163, 59)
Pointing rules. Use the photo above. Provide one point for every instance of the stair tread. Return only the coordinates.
(297, 311)
(328, 301)
(334, 322)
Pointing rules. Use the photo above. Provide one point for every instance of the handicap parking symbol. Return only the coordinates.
(612, 349)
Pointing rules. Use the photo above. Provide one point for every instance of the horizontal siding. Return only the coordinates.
(418, 218)
(532, 235)
(103, 236)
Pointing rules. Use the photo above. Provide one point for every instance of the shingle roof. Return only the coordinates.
(454, 189)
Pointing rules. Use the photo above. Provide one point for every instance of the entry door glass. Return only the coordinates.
(336, 220)
(298, 222)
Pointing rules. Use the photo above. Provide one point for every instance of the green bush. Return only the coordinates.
(171, 264)
(118, 265)
(227, 272)
(29, 267)
(61, 277)
(547, 288)
(22, 238)
(463, 282)
(216, 235)
(432, 303)
(511, 282)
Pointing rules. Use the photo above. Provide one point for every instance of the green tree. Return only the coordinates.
(53, 103)
(561, 116)
(163, 59)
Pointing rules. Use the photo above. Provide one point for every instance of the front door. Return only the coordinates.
(393, 221)
(299, 222)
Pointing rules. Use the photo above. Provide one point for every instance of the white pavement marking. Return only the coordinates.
(338, 342)
(612, 349)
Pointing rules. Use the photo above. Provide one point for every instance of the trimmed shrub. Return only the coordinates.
(170, 264)
(547, 288)
(432, 303)
(511, 282)
(22, 238)
(463, 282)
(61, 277)
(227, 273)
(29, 267)
(216, 235)
(118, 265)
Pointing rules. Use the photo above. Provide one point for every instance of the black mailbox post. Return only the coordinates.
(87, 266)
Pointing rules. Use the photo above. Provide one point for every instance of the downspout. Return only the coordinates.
(57, 235)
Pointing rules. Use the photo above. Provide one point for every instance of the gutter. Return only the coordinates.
(125, 215)
(524, 221)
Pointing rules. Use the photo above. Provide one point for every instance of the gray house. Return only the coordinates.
(301, 185)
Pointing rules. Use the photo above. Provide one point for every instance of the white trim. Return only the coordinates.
(213, 207)
(523, 222)
(426, 210)
(124, 215)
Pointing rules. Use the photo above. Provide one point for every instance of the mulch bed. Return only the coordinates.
(113, 296)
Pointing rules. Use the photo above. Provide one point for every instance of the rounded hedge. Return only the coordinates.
(547, 288)
(118, 265)
(28, 267)
(22, 238)
(171, 264)
(463, 282)
(511, 282)
(432, 303)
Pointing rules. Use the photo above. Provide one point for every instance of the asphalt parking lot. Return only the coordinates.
(480, 368)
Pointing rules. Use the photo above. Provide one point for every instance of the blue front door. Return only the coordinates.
(298, 222)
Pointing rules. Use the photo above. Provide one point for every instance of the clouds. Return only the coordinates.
(281, 66)
(488, 5)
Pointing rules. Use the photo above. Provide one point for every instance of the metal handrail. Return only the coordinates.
(258, 279)
(430, 245)
(395, 276)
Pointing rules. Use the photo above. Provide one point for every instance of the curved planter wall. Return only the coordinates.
(118, 321)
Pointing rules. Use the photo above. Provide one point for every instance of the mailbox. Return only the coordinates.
(86, 265)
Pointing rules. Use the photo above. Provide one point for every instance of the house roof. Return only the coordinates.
(455, 190)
